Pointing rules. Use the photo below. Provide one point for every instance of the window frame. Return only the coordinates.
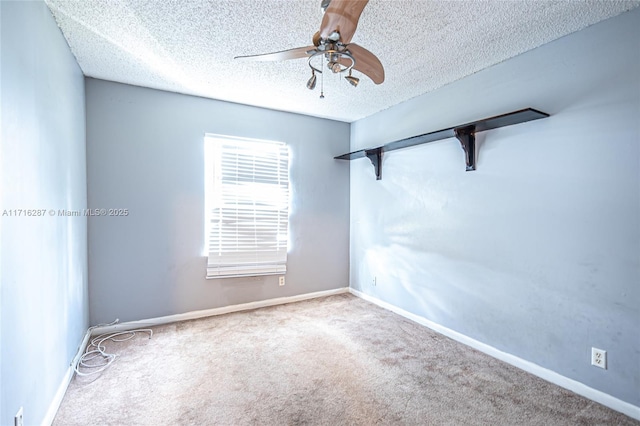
(256, 175)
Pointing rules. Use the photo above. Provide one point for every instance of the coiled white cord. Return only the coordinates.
(95, 357)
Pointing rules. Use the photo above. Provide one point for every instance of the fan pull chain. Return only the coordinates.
(322, 83)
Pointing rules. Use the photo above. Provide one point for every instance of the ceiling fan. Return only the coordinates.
(332, 46)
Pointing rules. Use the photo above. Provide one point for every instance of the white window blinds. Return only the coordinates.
(247, 206)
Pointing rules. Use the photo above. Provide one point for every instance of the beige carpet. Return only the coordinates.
(332, 361)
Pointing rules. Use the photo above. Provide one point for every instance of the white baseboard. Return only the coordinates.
(546, 374)
(131, 325)
(64, 384)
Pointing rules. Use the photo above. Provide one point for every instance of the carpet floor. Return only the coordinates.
(337, 360)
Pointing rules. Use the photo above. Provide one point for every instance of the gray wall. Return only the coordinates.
(537, 252)
(145, 153)
(44, 302)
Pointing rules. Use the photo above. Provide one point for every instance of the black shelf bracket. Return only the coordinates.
(465, 133)
(375, 156)
(467, 138)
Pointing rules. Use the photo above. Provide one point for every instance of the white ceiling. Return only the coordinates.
(187, 46)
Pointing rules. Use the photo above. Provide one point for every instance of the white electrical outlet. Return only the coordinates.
(375, 281)
(281, 282)
(599, 358)
(18, 420)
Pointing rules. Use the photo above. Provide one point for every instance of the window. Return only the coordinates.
(247, 206)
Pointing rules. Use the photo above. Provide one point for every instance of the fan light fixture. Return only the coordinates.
(337, 58)
(311, 84)
(352, 80)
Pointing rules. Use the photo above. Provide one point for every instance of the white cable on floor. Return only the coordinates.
(96, 349)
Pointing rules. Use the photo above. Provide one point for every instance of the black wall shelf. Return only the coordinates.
(465, 133)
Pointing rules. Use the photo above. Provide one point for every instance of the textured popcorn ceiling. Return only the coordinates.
(188, 46)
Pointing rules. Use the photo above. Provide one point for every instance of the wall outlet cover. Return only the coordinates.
(599, 358)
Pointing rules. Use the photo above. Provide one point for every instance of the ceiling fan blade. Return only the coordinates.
(342, 16)
(367, 63)
(297, 53)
